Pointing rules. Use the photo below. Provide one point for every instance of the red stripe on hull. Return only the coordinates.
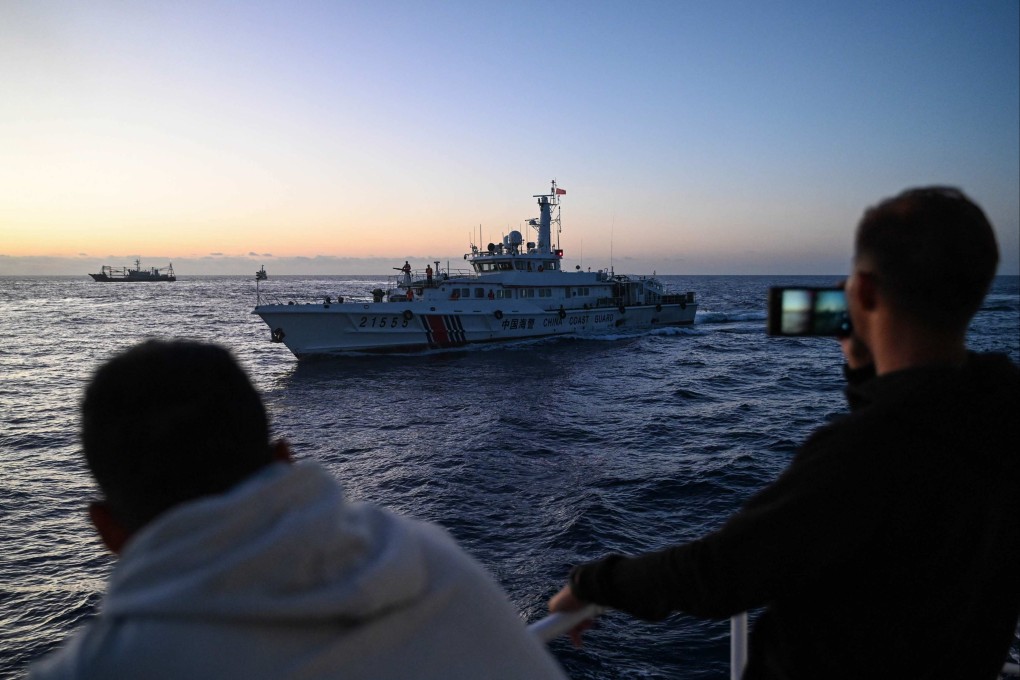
(437, 329)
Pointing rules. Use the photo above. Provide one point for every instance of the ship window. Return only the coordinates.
(545, 292)
(479, 292)
(503, 294)
(505, 266)
(520, 264)
(484, 266)
(528, 293)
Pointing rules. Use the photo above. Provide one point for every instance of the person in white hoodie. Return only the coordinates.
(236, 563)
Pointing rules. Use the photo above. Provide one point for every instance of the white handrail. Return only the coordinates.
(558, 623)
(738, 645)
(555, 625)
(551, 627)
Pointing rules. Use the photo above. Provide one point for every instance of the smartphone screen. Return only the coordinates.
(808, 311)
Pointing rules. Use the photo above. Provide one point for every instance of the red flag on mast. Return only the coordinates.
(560, 191)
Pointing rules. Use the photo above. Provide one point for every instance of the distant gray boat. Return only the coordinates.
(119, 274)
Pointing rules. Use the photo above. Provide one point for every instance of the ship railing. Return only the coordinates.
(560, 623)
(672, 299)
(419, 278)
(458, 273)
(676, 298)
(267, 299)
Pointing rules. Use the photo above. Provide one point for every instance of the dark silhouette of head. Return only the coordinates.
(168, 422)
(933, 254)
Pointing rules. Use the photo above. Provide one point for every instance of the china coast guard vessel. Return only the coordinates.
(515, 290)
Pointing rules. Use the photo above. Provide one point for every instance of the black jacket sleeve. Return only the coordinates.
(812, 515)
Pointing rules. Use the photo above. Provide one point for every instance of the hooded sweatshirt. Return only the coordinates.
(281, 578)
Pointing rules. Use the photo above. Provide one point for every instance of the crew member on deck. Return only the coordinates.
(889, 546)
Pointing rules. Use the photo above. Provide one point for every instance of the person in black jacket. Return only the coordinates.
(890, 547)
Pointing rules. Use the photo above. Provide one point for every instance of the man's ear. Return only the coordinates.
(281, 452)
(865, 290)
(113, 533)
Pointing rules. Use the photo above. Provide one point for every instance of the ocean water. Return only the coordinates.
(535, 456)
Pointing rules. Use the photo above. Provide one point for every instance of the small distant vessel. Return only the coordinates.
(515, 290)
(261, 274)
(119, 274)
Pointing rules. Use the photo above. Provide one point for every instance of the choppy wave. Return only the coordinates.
(535, 456)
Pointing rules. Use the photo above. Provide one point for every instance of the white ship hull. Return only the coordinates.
(515, 290)
(311, 329)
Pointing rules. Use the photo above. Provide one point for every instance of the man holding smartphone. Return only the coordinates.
(890, 546)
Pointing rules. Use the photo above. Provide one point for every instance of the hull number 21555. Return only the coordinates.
(383, 322)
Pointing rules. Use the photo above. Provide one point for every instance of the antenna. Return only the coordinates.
(612, 228)
(559, 203)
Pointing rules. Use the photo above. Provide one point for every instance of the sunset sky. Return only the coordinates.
(691, 136)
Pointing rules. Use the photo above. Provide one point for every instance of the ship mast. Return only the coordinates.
(546, 203)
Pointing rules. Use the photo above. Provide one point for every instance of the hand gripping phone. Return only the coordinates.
(807, 311)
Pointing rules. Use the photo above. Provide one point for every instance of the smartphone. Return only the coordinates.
(808, 311)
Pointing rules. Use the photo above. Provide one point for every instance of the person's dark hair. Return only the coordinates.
(167, 422)
(933, 253)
